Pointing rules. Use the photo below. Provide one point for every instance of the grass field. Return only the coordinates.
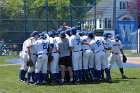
(9, 82)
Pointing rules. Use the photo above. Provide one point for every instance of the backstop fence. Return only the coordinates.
(18, 18)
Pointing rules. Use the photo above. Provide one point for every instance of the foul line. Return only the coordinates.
(2, 65)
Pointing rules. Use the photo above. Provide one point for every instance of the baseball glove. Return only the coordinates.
(29, 63)
(50, 58)
(124, 59)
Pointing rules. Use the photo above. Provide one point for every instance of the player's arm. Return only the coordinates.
(122, 51)
(70, 44)
(50, 49)
(107, 48)
(28, 48)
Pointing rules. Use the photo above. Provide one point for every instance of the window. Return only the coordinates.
(107, 23)
(100, 22)
(123, 4)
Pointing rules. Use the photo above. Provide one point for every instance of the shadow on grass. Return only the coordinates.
(115, 80)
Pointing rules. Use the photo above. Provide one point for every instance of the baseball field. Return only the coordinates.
(9, 81)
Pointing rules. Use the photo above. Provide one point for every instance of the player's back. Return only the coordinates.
(85, 46)
(41, 46)
(25, 43)
(97, 44)
(64, 47)
(75, 42)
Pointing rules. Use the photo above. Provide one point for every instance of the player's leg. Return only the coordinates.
(23, 67)
(86, 55)
(119, 64)
(91, 66)
(38, 68)
(44, 69)
(105, 67)
(75, 61)
(98, 65)
(31, 70)
(68, 64)
(54, 67)
(80, 66)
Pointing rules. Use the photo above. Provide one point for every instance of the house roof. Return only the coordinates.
(101, 7)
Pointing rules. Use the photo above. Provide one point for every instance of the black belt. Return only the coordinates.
(99, 51)
(85, 49)
(54, 52)
(43, 53)
(115, 53)
(33, 53)
(75, 51)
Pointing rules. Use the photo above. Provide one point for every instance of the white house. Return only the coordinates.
(105, 15)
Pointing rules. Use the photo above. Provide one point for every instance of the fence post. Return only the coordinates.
(138, 30)
(25, 21)
(47, 22)
(94, 11)
(114, 16)
(71, 13)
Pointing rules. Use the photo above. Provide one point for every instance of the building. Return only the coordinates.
(105, 15)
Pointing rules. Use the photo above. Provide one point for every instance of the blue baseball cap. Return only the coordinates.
(42, 35)
(67, 31)
(51, 34)
(117, 37)
(90, 34)
(34, 33)
(59, 30)
(73, 29)
(62, 34)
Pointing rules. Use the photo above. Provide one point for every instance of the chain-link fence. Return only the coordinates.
(18, 18)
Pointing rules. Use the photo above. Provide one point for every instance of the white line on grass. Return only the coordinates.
(9, 64)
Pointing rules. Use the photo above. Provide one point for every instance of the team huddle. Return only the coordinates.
(76, 57)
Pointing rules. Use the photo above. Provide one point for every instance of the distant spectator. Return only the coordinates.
(2, 43)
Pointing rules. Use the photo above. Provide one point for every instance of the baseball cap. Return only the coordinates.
(62, 34)
(59, 30)
(67, 31)
(90, 34)
(73, 30)
(34, 33)
(51, 34)
(117, 37)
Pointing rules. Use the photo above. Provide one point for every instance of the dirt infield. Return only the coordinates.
(133, 60)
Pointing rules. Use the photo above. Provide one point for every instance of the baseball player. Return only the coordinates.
(88, 56)
(54, 67)
(98, 48)
(31, 51)
(75, 47)
(107, 45)
(23, 63)
(42, 46)
(65, 59)
(115, 57)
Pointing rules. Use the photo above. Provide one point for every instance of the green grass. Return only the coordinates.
(130, 53)
(9, 84)
(2, 58)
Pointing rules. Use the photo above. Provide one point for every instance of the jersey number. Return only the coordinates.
(98, 43)
(44, 45)
(78, 41)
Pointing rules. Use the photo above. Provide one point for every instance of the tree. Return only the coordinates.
(132, 8)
